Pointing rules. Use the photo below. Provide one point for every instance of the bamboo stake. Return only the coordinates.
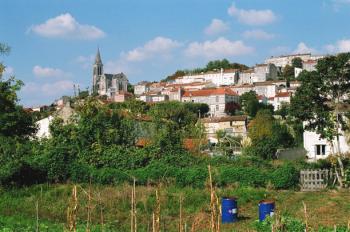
(212, 218)
(101, 212)
(37, 215)
(219, 214)
(88, 221)
(180, 219)
(306, 218)
(72, 212)
(133, 208)
(157, 212)
(214, 206)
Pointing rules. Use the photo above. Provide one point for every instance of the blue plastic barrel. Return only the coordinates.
(229, 210)
(266, 208)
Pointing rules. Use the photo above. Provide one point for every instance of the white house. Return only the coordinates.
(220, 77)
(43, 127)
(264, 72)
(141, 88)
(280, 98)
(317, 148)
(232, 125)
(217, 99)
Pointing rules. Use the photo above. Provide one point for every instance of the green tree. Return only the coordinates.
(321, 97)
(16, 127)
(297, 62)
(251, 105)
(130, 88)
(267, 135)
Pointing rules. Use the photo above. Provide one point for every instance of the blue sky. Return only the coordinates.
(54, 42)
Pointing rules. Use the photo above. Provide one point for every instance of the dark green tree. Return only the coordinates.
(297, 62)
(322, 97)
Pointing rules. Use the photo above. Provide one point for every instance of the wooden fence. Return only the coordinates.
(314, 180)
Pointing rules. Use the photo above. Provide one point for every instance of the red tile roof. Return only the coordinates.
(225, 119)
(283, 94)
(209, 92)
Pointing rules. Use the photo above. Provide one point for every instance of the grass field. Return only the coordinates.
(110, 206)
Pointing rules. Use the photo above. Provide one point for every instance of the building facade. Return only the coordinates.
(107, 84)
(318, 148)
(217, 99)
(235, 126)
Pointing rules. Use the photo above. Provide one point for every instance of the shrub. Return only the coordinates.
(195, 177)
(285, 176)
(247, 176)
(110, 176)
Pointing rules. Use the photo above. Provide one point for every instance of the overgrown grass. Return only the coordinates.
(17, 207)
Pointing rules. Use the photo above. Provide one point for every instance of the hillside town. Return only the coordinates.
(174, 116)
(217, 88)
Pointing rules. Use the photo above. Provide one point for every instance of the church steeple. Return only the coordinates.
(98, 66)
(98, 57)
(97, 71)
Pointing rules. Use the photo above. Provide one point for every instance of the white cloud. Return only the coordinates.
(216, 26)
(258, 34)
(339, 46)
(65, 26)
(303, 48)
(85, 61)
(58, 88)
(219, 48)
(9, 71)
(39, 71)
(341, 1)
(252, 17)
(160, 46)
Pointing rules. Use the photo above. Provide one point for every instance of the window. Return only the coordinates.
(217, 107)
(217, 98)
(320, 149)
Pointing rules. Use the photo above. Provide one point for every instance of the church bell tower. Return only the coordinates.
(97, 72)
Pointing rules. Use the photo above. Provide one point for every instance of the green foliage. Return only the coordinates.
(285, 177)
(321, 93)
(211, 66)
(130, 88)
(267, 135)
(225, 64)
(286, 223)
(297, 62)
(251, 105)
(288, 72)
(246, 176)
(14, 121)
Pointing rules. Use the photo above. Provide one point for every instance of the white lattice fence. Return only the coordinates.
(314, 180)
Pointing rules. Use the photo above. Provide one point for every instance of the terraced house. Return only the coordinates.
(217, 99)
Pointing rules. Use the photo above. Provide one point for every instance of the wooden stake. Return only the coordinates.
(37, 215)
(133, 208)
(88, 220)
(180, 218)
(306, 218)
(72, 211)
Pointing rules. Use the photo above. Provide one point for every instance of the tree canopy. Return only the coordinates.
(250, 104)
(321, 94)
(211, 65)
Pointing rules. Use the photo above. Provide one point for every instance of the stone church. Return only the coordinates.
(107, 84)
